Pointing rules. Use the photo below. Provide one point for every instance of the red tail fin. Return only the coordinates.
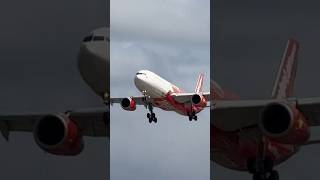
(284, 84)
(199, 83)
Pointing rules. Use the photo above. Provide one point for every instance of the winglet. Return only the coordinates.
(5, 129)
(199, 83)
(5, 134)
(284, 83)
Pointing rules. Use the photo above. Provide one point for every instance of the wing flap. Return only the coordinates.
(310, 107)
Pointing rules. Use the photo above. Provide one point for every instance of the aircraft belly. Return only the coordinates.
(164, 106)
(233, 149)
(155, 92)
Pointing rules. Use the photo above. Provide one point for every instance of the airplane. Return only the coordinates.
(61, 133)
(158, 92)
(258, 134)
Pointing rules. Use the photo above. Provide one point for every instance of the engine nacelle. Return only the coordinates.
(59, 135)
(198, 100)
(128, 104)
(284, 123)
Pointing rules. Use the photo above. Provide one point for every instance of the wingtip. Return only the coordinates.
(293, 40)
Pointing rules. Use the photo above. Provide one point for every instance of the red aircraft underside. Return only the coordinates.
(233, 149)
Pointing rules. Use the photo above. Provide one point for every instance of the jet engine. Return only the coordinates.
(128, 104)
(198, 100)
(59, 135)
(284, 123)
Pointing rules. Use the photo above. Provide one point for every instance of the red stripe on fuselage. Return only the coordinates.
(169, 103)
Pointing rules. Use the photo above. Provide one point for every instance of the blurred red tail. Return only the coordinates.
(199, 83)
(284, 84)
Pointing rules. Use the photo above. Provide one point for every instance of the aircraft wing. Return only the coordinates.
(231, 115)
(91, 122)
(186, 97)
(137, 100)
(179, 97)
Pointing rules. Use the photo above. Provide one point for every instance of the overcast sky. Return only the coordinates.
(170, 38)
(249, 39)
(39, 44)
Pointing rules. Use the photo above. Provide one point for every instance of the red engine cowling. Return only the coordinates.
(198, 100)
(128, 104)
(284, 123)
(59, 135)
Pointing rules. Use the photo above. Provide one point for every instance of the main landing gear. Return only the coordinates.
(261, 167)
(151, 116)
(192, 115)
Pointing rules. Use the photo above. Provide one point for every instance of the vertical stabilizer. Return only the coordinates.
(199, 83)
(284, 83)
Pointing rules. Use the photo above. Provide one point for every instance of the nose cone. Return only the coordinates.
(100, 49)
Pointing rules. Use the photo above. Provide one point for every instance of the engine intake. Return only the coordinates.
(59, 135)
(128, 104)
(50, 131)
(198, 100)
(284, 123)
(276, 119)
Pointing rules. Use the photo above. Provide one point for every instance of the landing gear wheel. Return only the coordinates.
(151, 115)
(268, 165)
(274, 175)
(262, 170)
(251, 165)
(195, 118)
(192, 115)
(258, 176)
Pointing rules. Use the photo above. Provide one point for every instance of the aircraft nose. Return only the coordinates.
(139, 81)
(96, 49)
(89, 59)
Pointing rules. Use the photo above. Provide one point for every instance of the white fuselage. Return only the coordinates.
(151, 84)
(93, 61)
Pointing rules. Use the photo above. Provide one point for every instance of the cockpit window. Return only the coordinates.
(140, 73)
(98, 38)
(87, 38)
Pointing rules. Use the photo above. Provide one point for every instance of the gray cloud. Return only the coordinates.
(174, 148)
(167, 20)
